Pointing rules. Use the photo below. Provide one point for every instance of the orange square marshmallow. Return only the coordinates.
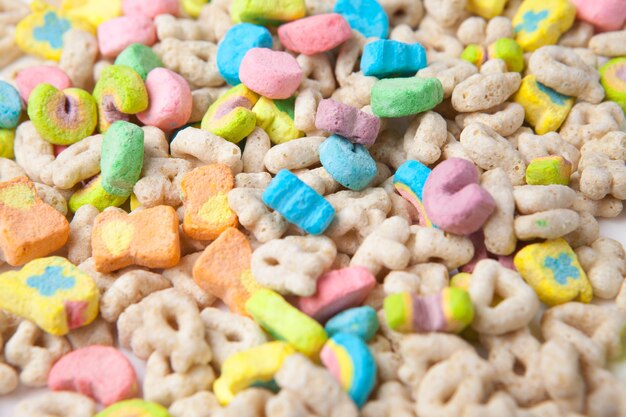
(205, 196)
(29, 228)
(147, 238)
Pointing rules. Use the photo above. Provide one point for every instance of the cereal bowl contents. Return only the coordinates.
(312, 208)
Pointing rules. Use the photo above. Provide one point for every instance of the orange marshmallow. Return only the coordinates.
(29, 228)
(205, 196)
(223, 270)
(147, 238)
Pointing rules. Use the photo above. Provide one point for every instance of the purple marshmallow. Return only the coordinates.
(347, 121)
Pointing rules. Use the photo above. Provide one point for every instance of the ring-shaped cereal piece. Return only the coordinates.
(62, 117)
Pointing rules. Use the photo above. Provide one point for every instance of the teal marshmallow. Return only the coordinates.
(359, 321)
(10, 106)
(122, 158)
(399, 97)
(139, 57)
(365, 16)
(387, 58)
(350, 164)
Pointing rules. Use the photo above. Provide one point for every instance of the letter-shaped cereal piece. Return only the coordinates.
(353, 124)
(52, 292)
(100, 372)
(453, 199)
(409, 181)
(350, 164)
(336, 291)
(29, 228)
(350, 361)
(122, 158)
(449, 311)
(275, 117)
(134, 408)
(285, 322)
(256, 365)
(398, 97)
(267, 12)
(223, 270)
(147, 238)
(542, 22)
(62, 117)
(233, 47)
(315, 34)
(387, 58)
(231, 116)
(120, 91)
(298, 203)
(204, 192)
(546, 110)
(552, 269)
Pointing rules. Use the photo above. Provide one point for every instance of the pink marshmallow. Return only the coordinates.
(315, 34)
(605, 15)
(337, 290)
(454, 200)
(29, 78)
(272, 74)
(170, 100)
(100, 372)
(150, 8)
(116, 34)
(347, 121)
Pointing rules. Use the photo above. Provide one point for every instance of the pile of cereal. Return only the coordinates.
(313, 208)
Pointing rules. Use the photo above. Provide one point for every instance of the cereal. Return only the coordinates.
(449, 311)
(499, 229)
(315, 34)
(359, 321)
(553, 270)
(601, 176)
(120, 240)
(62, 117)
(160, 181)
(204, 192)
(546, 110)
(397, 97)
(100, 372)
(56, 404)
(298, 203)
(168, 323)
(427, 244)
(170, 100)
(538, 23)
(456, 180)
(603, 261)
(223, 270)
(337, 290)
(484, 91)
(116, 34)
(349, 164)
(279, 318)
(293, 265)
(349, 360)
(80, 51)
(365, 16)
(408, 59)
(53, 293)
(148, 408)
(255, 216)
(231, 116)
(119, 92)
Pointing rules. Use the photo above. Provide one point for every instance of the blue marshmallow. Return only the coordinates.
(10, 106)
(359, 321)
(298, 203)
(350, 164)
(238, 40)
(386, 58)
(366, 16)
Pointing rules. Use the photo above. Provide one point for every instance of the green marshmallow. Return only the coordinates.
(95, 195)
(139, 57)
(285, 322)
(398, 97)
(7, 136)
(122, 158)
